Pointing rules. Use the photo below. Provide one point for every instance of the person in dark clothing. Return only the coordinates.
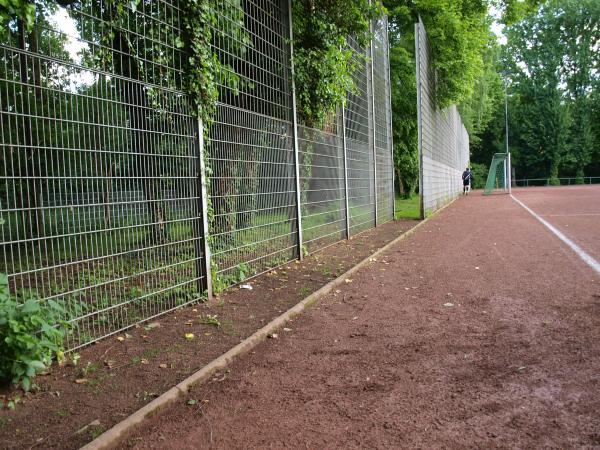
(467, 176)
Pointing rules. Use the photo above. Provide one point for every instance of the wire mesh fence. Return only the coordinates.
(443, 139)
(101, 171)
(98, 180)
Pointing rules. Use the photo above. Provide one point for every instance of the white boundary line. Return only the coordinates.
(588, 259)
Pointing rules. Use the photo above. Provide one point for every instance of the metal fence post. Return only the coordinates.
(419, 115)
(203, 264)
(373, 122)
(295, 131)
(390, 119)
(346, 193)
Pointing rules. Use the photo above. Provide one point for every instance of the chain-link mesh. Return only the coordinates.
(443, 139)
(322, 187)
(101, 202)
(252, 188)
(359, 143)
(99, 166)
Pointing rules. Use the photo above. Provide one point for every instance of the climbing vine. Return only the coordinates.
(322, 57)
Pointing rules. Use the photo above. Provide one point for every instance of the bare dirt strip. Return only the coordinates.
(480, 331)
(118, 375)
(574, 210)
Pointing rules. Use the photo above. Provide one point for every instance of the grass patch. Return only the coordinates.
(304, 292)
(408, 208)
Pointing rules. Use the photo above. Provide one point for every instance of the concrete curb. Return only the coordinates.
(112, 437)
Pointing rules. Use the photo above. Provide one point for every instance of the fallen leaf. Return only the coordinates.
(348, 280)
(192, 402)
(189, 336)
(144, 361)
(81, 380)
(120, 338)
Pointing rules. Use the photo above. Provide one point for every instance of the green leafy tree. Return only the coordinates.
(322, 57)
(551, 60)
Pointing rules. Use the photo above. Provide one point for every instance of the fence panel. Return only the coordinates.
(359, 143)
(252, 187)
(443, 139)
(322, 185)
(99, 166)
(100, 169)
(383, 123)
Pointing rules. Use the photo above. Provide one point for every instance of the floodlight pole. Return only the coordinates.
(508, 165)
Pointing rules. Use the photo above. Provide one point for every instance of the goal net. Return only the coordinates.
(498, 180)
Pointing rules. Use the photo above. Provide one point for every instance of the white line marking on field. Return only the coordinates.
(588, 259)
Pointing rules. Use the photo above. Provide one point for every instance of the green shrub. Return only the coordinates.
(480, 173)
(31, 334)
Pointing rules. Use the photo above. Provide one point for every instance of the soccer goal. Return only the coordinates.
(498, 179)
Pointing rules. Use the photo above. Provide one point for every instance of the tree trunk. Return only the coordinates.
(148, 166)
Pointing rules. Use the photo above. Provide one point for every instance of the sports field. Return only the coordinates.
(482, 330)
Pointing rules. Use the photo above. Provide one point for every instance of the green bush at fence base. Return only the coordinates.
(31, 333)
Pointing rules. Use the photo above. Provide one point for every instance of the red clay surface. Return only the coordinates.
(120, 374)
(480, 331)
(574, 210)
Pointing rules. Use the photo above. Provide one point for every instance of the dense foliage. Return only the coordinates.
(462, 49)
(468, 61)
(322, 57)
(31, 334)
(552, 62)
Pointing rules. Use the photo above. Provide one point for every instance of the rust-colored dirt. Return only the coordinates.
(574, 210)
(480, 331)
(118, 377)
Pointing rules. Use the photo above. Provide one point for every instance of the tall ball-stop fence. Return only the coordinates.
(112, 203)
(443, 139)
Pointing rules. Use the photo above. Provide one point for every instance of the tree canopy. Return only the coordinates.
(551, 63)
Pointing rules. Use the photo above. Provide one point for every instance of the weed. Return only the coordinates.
(304, 250)
(210, 319)
(63, 413)
(31, 332)
(75, 357)
(96, 431)
(89, 369)
(304, 291)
